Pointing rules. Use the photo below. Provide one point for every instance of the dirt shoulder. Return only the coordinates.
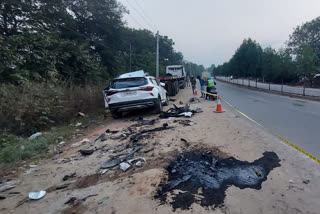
(284, 181)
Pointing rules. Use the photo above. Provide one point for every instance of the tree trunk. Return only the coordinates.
(269, 86)
(281, 85)
(249, 83)
(304, 88)
(256, 82)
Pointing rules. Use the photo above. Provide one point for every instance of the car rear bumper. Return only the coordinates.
(132, 105)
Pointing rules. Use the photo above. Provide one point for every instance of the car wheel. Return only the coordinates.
(158, 107)
(167, 101)
(116, 115)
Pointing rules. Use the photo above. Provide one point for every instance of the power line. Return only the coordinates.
(145, 14)
(134, 19)
(140, 15)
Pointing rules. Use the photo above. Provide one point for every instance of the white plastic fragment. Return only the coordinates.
(80, 143)
(139, 164)
(124, 166)
(186, 114)
(37, 195)
(35, 135)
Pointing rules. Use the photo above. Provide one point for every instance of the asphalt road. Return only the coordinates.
(294, 119)
(276, 87)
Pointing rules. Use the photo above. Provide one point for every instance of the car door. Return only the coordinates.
(163, 91)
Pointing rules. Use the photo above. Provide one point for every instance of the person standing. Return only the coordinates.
(193, 84)
(203, 86)
(188, 80)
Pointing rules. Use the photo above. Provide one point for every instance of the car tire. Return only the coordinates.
(166, 103)
(158, 106)
(116, 115)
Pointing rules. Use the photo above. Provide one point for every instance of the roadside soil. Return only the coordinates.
(292, 187)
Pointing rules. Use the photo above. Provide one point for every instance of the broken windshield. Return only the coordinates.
(128, 82)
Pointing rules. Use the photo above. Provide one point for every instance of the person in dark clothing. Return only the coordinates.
(193, 84)
(203, 86)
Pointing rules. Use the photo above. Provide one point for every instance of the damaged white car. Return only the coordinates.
(135, 90)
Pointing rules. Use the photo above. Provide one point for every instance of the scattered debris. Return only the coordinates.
(114, 162)
(172, 100)
(119, 137)
(81, 114)
(71, 200)
(103, 171)
(2, 197)
(181, 103)
(108, 131)
(62, 143)
(201, 170)
(124, 166)
(137, 159)
(197, 110)
(137, 136)
(102, 137)
(86, 152)
(80, 143)
(139, 164)
(306, 181)
(185, 122)
(63, 160)
(78, 124)
(9, 185)
(35, 135)
(75, 200)
(185, 142)
(186, 114)
(103, 200)
(67, 177)
(147, 122)
(37, 195)
(179, 112)
(194, 100)
(32, 169)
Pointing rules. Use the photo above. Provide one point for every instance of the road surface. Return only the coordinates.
(294, 119)
(276, 87)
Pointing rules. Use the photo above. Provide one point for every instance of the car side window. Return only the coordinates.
(158, 82)
(153, 81)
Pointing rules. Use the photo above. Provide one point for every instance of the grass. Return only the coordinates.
(14, 149)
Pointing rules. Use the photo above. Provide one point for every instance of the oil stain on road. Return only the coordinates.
(203, 178)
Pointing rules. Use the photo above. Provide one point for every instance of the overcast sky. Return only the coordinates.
(209, 31)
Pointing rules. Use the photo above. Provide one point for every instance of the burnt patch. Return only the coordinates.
(203, 178)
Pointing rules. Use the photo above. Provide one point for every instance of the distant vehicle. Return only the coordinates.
(135, 90)
(175, 79)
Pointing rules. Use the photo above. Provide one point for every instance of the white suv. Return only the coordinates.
(135, 90)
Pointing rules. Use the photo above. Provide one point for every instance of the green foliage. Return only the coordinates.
(251, 61)
(307, 62)
(29, 108)
(14, 149)
(307, 34)
(78, 41)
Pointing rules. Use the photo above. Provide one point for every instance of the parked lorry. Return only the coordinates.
(175, 79)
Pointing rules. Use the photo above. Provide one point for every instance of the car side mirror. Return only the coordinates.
(162, 84)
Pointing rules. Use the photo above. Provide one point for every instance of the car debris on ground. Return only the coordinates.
(179, 112)
(37, 195)
(86, 152)
(35, 135)
(80, 143)
(67, 177)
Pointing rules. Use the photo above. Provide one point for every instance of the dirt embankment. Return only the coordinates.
(214, 163)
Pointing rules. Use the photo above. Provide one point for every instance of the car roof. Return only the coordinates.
(140, 73)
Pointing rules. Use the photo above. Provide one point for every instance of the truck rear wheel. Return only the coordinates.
(171, 89)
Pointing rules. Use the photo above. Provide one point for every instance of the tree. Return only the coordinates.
(308, 33)
(307, 61)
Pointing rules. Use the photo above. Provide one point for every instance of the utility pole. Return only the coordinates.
(130, 68)
(157, 56)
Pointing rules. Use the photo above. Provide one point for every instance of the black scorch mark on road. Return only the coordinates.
(199, 177)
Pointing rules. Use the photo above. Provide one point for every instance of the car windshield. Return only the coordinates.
(128, 83)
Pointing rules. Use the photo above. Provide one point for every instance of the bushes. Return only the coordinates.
(28, 108)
